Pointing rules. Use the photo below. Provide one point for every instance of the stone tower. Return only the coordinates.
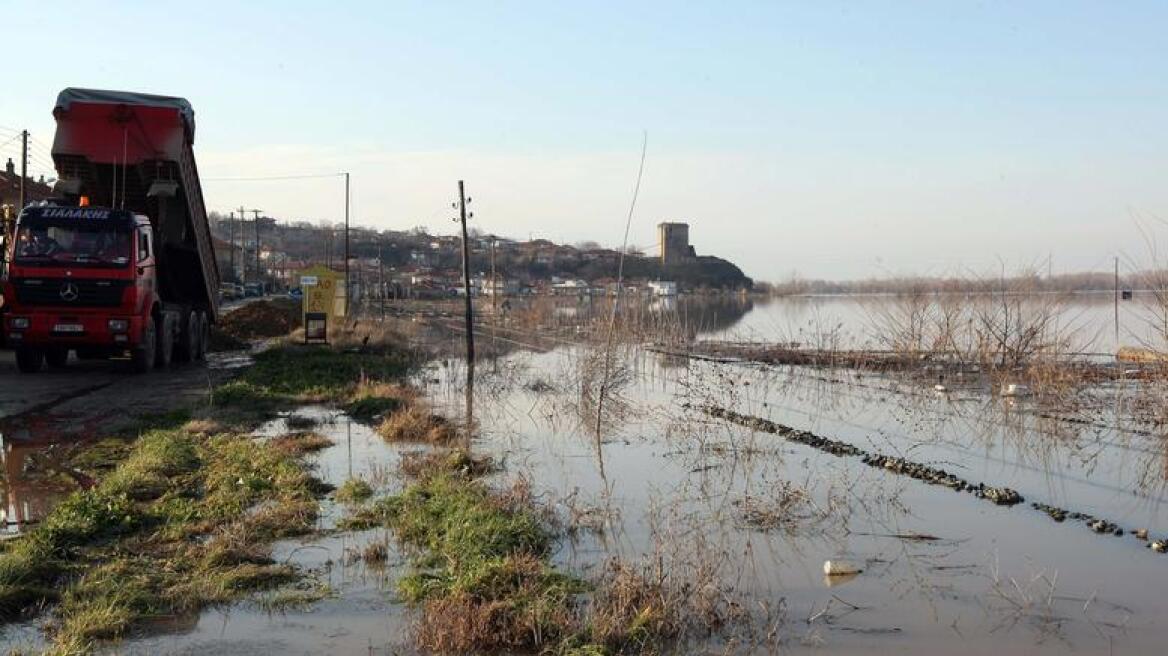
(673, 242)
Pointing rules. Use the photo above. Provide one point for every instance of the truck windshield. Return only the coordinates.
(72, 244)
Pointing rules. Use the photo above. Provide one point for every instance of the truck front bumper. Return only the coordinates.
(71, 330)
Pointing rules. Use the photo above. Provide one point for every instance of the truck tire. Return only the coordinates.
(165, 343)
(29, 359)
(188, 338)
(143, 357)
(204, 337)
(57, 357)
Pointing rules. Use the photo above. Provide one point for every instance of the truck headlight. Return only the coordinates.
(119, 325)
(18, 323)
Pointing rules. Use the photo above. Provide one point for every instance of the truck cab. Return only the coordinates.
(84, 279)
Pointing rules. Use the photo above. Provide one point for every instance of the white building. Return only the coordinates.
(663, 288)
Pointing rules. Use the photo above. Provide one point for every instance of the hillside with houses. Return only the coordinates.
(417, 264)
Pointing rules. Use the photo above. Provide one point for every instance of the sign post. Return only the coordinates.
(321, 302)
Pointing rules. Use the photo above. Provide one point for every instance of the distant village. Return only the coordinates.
(415, 264)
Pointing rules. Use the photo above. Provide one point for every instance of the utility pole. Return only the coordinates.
(23, 166)
(381, 280)
(259, 277)
(1117, 302)
(494, 283)
(470, 354)
(348, 290)
(231, 238)
(242, 245)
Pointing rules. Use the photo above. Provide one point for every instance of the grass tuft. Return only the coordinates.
(301, 442)
(481, 571)
(416, 423)
(354, 491)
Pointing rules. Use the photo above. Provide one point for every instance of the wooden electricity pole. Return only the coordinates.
(231, 238)
(242, 245)
(381, 280)
(348, 289)
(470, 354)
(259, 276)
(494, 284)
(1116, 302)
(23, 167)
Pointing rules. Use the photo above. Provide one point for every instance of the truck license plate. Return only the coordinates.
(68, 328)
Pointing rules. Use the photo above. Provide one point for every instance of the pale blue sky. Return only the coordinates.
(839, 140)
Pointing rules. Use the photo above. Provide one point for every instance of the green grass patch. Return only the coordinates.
(481, 573)
(320, 372)
(296, 597)
(353, 491)
(367, 408)
(181, 522)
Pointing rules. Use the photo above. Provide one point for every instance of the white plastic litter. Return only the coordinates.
(840, 568)
(1016, 389)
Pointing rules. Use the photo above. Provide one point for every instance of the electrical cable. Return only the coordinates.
(274, 177)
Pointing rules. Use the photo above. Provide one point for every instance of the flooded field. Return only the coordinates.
(766, 513)
(739, 481)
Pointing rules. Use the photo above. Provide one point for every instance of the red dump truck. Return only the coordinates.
(122, 264)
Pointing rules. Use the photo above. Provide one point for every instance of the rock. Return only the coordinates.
(1003, 496)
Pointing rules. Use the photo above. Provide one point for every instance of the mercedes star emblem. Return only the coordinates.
(69, 292)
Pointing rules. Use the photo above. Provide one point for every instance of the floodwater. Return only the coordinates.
(995, 578)
(1090, 321)
(942, 571)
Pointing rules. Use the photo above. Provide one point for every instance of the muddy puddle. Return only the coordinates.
(59, 413)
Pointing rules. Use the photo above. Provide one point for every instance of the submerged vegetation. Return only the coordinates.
(167, 532)
(483, 577)
(183, 516)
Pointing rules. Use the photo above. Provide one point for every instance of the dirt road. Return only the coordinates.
(85, 398)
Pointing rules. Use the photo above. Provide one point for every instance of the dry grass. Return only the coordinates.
(374, 400)
(416, 423)
(787, 507)
(423, 464)
(204, 426)
(301, 442)
(518, 603)
(642, 608)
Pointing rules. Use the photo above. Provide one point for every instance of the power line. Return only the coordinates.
(39, 159)
(275, 177)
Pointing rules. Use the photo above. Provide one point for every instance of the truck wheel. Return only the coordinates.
(204, 337)
(29, 359)
(165, 343)
(188, 339)
(57, 357)
(143, 357)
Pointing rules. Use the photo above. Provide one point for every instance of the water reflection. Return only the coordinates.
(34, 481)
(673, 485)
